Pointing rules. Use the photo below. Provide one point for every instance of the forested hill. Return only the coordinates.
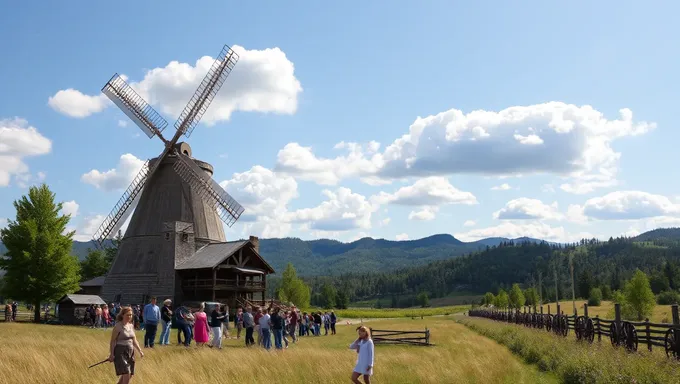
(332, 257)
(608, 263)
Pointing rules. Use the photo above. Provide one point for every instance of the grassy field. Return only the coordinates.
(576, 362)
(368, 313)
(661, 313)
(55, 354)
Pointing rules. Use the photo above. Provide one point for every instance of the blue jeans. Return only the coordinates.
(278, 338)
(165, 333)
(186, 330)
(266, 338)
(150, 334)
(317, 332)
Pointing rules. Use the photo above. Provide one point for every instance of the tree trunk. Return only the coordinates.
(36, 312)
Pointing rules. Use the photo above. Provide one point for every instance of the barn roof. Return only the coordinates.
(82, 299)
(96, 282)
(212, 255)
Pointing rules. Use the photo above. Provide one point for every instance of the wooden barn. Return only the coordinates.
(71, 308)
(92, 287)
(231, 273)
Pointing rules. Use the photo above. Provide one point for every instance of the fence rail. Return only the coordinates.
(382, 336)
(621, 333)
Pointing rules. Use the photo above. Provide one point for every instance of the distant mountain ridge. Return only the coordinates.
(333, 257)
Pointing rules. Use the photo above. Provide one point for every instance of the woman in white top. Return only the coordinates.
(364, 347)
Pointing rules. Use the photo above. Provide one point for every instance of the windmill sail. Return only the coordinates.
(138, 110)
(227, 207)
(211, 84)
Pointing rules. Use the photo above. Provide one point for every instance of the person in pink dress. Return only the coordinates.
(201, 330)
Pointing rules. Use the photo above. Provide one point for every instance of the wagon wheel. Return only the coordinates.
(564, 326)
(615, 334)
(541, 321)
(670, 345)
(534, 320)
(589, 331)
(580, 327)
(548, 322)
(518, 318)
(630, 337)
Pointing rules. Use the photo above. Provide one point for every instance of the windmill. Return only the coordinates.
(172, 195)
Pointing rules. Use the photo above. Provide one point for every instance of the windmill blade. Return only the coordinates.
(211, 84)
(121, 211)
(133, 105)
(227, 207)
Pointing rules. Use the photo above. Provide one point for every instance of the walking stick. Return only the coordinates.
(101, 362)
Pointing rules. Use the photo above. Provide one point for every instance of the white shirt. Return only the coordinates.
(264, 321)
(365, 358)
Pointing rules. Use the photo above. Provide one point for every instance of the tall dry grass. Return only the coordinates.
(55, 354)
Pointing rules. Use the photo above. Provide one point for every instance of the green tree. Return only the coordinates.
(595, 297)
(38, 262)
(531, 296)
(423, 299)
(95, 264)
(659, 282)
(328, 296)
(343, 300)
(502, 299)
(639, 295)
(395, 302)
(585, 283)
(668, 298)
(488, 298)
(517, 298)
(606, 292)
(293, 289)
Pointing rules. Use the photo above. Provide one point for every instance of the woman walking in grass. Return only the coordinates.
(201, 330)
(364, 347)
(123, 345)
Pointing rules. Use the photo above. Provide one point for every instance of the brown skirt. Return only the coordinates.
(124, 360)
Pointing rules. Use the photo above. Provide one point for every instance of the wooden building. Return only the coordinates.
(71, 308)
(231, 273)
(92, 287)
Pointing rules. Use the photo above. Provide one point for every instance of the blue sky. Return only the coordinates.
(551, 78)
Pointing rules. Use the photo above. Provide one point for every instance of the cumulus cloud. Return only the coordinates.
(554, 138)
(469, 223)
(629, 205)
(18, 141)
(513, 230)
(343, 210)
(401, 237)
(425, 214)
(262, 81)
(87, 227)
(70, 208)
(116, 178)
(528, 209)
(502, 187)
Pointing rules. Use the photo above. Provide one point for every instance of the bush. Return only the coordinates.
(668, 298)
(595, 298)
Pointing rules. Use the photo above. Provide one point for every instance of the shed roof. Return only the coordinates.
(96, 282)
(212, 255)
(82, 299)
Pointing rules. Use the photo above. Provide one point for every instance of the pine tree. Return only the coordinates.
(38, 262)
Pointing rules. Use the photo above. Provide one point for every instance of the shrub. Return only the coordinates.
(668, 298)
(595, 298)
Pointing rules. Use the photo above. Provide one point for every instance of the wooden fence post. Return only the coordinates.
(617, 313)
(541, 309)
(599, 332)
(676, 318)
(585, 310)
(647, 333)
(559, 311)
(548, 309)
(427, 336)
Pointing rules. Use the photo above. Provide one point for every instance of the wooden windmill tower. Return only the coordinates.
(179, 207)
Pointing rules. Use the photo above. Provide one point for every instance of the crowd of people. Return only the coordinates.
(197, 325)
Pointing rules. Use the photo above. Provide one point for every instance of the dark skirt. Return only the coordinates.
(124, 360)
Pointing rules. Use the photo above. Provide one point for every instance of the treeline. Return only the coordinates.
(595, 264)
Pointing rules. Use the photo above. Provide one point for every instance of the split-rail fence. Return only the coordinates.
(381, 336)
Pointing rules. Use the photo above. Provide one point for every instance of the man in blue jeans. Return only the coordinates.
(278, 323)
(264, 327)
(152, 315)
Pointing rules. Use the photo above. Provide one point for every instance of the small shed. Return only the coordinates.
(92, 287)
(71, 308)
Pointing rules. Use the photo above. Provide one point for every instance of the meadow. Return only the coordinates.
(572, 361)
(386, 313)
(59, 354)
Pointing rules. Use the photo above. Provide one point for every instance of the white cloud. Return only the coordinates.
(429, 191)
(502, 187)
(70, 208)
(512, 230)
(262, 81)
(265, 195)
(401, 237)
(342, 211)
(469, 223)
(575, 214)
(18, 140)
(116, 178)
(425, 214)
(630, 205)
(548, 188)
(528, 209)
(24, 180)
(87, 227)
(74, 103)
(575, 143)
(384, 222)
